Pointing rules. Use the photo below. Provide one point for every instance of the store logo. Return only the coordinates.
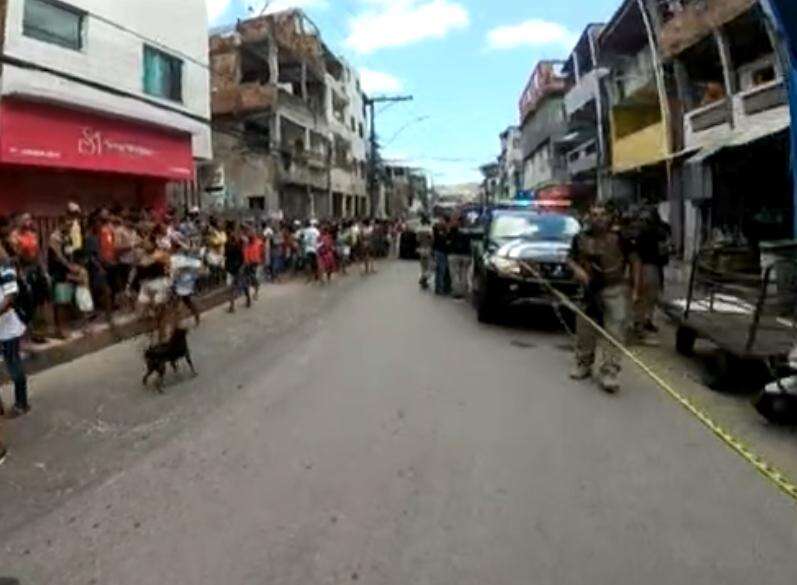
(93, 143)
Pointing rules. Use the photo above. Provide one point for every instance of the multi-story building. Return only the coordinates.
(401, 188)
(288, 120)
(640, 139)
(586, 113)
(543, 126)
(730, 119)
(510, 163)
(491, 173)
(105, 103)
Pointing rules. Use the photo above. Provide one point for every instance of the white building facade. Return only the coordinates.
(103, 102)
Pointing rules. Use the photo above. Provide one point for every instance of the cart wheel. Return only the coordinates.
(685, 340)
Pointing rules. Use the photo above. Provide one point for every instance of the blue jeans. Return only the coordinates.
(442, 279)
(13, 360)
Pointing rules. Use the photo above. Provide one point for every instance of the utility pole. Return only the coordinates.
(373, 184)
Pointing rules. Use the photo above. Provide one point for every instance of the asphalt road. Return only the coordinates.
(366, 432)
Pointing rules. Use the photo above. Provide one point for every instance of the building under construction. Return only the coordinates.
(289, 124)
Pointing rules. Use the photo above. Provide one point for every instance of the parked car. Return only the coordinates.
(515, 244)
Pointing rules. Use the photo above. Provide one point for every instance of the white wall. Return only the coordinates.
(114, 57)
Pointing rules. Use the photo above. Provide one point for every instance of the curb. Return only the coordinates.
(41, 360)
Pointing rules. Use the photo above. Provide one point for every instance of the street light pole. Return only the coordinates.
(372, 181)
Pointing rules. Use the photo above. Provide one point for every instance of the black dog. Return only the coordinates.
(171, 352)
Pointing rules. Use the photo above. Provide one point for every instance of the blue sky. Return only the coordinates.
(465, 62)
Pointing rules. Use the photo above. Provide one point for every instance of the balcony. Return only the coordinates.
(764, 97)
(761, 106)
(706, 124)
(584, 92)
(638, 149)
(583, 159)
(246, 98)
(306, 171)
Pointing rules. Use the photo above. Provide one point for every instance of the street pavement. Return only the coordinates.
(368, 432)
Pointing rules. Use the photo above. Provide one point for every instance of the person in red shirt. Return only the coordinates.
(108, 254)
(25, 243)
(254, 256)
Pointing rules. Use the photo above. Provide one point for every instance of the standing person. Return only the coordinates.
(354, 238)
(600, 259)
(11, 331)
(310, 237)
(425, 236)
(653, 243)
(343, 243)
(268, 251)
(367, 243)
(216, 241)
(152, 274)
(326, 254)
(234, 262)
(185, 267)
(459, 257)
(25, 245)
(62, 271)
(126, 242)
(253, 260)
(278, 253)
(442, 278)
(290, 248)
(99, 283)
(74, 238)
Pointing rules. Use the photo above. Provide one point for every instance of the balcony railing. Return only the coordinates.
(764, 97)
(747, 109)
(583, 158)
(715, 114)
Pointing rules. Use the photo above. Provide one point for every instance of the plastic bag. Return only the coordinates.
(83, 299)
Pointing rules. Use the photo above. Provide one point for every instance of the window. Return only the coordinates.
(54, 23)
(163, 75)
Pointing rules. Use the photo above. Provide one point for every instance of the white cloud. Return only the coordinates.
(531, 33)
(378, 82)
(394, 23)
(216, 8)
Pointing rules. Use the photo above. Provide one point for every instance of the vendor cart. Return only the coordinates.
(746, 307)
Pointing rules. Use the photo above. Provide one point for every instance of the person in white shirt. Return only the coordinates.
(11, 331)
(310, 239)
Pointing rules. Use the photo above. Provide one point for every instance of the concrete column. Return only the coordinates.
(727, 62)
(304, 80)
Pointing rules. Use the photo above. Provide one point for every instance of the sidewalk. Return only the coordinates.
(733, 410)
(97, 336)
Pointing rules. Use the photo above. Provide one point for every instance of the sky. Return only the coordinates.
(465, 62)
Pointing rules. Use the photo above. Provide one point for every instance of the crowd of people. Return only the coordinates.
(88, 266)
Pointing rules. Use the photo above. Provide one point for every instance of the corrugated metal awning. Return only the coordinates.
(742, 138)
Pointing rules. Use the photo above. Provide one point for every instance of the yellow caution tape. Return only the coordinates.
(766, 469)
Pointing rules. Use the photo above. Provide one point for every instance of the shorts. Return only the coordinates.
(64, 293)
(155, 292)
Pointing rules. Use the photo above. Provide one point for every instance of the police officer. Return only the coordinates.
(604, 261)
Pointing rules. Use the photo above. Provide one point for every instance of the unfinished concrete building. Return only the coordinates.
(543, 126)
(288, 120)
(732, 117)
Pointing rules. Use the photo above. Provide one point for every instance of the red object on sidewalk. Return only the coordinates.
(51, 136)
